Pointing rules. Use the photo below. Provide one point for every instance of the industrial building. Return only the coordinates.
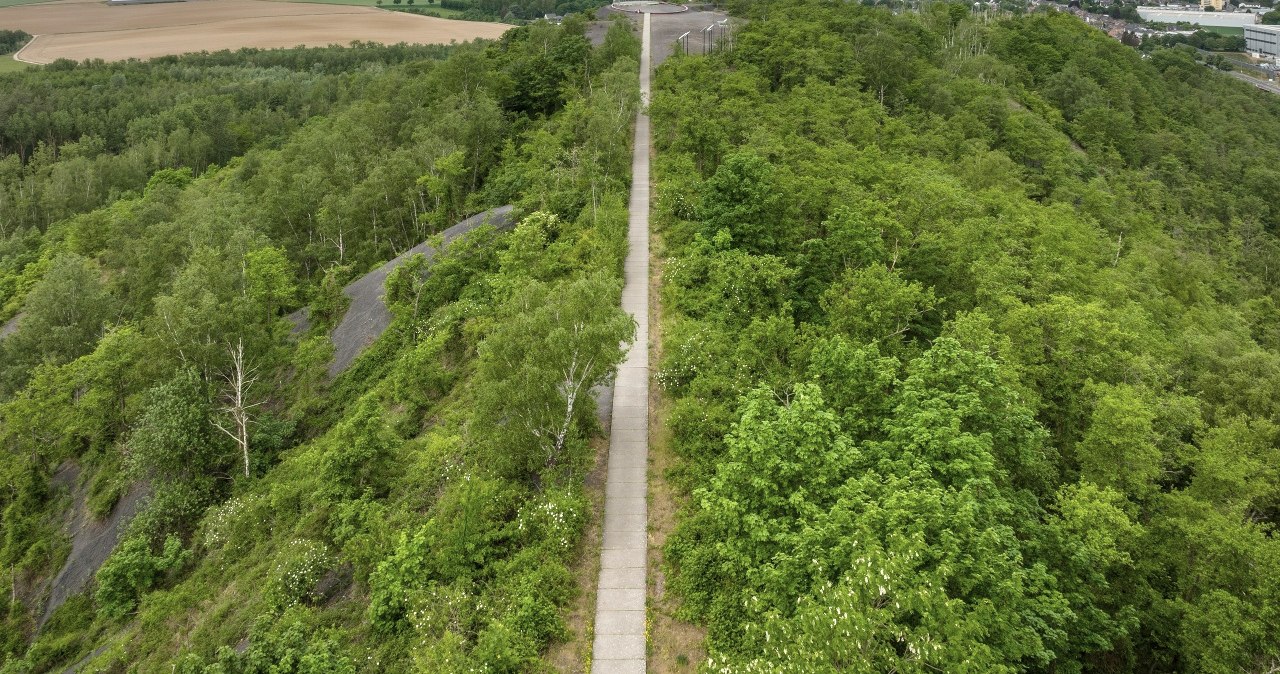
(1197, 17)
(1263, 41)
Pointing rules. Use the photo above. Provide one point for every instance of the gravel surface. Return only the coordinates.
(91, 541)
(367, 316)
(9, 327)
(665, 28)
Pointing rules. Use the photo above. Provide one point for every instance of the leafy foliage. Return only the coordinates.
(959, 316)
(132, 570)
(242, 188)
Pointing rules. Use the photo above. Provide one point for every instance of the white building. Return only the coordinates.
(1197, 17)
(1263, 41)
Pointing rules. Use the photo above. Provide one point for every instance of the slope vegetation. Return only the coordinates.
(418, 512)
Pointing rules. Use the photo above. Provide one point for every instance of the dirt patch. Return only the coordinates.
(573, 656)
(91, 541)
(10, 326)
(79, 30)
(674, 645)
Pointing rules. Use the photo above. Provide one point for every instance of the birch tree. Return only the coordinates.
(239, 379)
(552, 344)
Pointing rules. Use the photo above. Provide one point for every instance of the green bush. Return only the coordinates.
(290, 644)
(469, 528)
(235, 525)
(357, 456)
(299, 566)
(107, 485)
(422, 375)
(175, 507)
(554, 520)
(529, 589)
(132, 570)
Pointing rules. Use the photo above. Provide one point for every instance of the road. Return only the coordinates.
(619, 646)
(1265, 86)
(17, 56)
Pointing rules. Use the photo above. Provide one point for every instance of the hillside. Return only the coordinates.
(971, 347)
(966, 354)
(161, 220)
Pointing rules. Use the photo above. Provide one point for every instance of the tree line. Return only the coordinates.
(13, 40)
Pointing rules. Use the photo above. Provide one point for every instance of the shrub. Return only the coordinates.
(469, 528)
(174, 507)
(527, 595)
(440, 610)
(357, 455)
(553, 521)
(132, 570)
(362, 534)
(105, 490)
(235, 525)
(421, 376)
(289, 644)
(298, 568)
(501, 648)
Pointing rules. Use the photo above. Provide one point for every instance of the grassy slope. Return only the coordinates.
(8, 65)
(1223, 30)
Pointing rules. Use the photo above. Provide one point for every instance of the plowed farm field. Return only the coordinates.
(86, 29)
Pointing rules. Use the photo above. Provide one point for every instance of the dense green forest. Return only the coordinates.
(158, 220)
(972, 334)
(970, 349)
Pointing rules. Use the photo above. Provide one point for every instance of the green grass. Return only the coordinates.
(1220, 30)
(8, 65)
(386, 4)
(444, 13)
(15, 3)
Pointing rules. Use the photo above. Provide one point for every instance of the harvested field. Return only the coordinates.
(86, 29)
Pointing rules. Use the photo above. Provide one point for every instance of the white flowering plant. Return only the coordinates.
(299, 566)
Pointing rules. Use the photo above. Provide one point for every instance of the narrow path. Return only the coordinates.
(620, 599)
(17, 56)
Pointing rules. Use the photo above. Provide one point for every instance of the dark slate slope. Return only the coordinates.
(367, 316)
